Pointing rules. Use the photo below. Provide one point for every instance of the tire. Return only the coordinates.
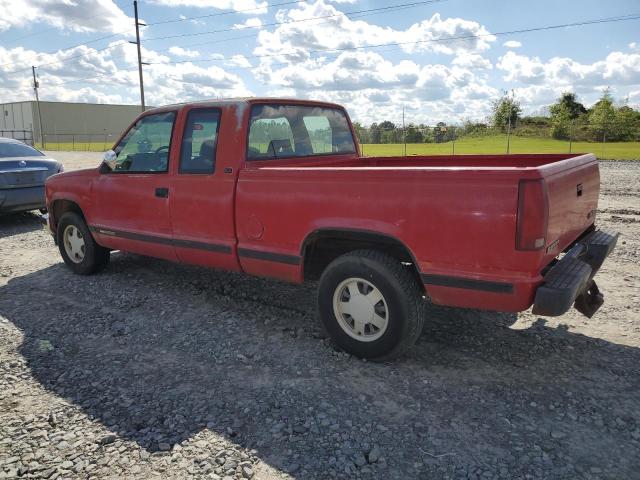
(88, 256)
(396, 319)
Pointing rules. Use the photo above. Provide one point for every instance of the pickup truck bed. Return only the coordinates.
(459, 226)
(278, 188)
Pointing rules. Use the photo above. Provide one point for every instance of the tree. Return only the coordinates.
(563, 113)
(568, 103)
(375, 133)
(602, 118)
(560, 121)
(505, 110)
(413, 134)
(362, 133)
(627, 124)
(440, 132)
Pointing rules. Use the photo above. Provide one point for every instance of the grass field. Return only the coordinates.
(76, 147)
(466, 145)
(498, 144)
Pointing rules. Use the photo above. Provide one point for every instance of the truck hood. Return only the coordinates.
(86, 172)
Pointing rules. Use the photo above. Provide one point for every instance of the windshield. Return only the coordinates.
(18, 150)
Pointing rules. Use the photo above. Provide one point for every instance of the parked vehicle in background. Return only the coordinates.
(278, 188)
(23, 171)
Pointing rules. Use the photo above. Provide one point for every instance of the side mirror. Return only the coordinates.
(109, 159)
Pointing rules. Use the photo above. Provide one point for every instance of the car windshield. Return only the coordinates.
(11, 149)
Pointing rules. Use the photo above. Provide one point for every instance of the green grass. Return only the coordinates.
(77, 146)
(466, 145)
(498, 144)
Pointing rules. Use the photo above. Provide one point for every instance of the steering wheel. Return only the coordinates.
(159, 149)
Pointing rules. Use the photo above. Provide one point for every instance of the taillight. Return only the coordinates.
(533, 215)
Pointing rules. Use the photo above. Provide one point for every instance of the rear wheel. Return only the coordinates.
(371, 305)
(79, 250)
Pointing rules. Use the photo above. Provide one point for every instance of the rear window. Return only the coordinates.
(289, 131)
(10, 149)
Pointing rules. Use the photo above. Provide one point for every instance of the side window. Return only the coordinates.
(146, 146)
(290, 131)
(319, 134)
(198, 150)
(271, 137)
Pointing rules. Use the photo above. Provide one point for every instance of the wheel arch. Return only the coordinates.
(61, 206)
(321, 246)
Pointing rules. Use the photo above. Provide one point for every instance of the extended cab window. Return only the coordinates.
(145, 148)
(286, 131)
(198, 151)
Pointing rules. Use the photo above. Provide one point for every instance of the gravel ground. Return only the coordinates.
(156, 370)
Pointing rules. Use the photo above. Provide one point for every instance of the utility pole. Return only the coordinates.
(36, 85)
(404, 135)
(513, 98)
(140, 63)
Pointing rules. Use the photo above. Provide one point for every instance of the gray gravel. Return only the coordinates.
(156, 370)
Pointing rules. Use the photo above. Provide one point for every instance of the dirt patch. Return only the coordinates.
(151, 369)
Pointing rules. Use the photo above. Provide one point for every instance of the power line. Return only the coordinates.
(365, 12)
(53, 52)
(148, 24)
(39, 32)
(80, 55)
(634, 16)
(434, 40)
(228, 12)
(163, 22)
(320, 17)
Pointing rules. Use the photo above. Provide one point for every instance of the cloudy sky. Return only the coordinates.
(440, 59)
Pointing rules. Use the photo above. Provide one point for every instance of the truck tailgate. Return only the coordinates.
(573, 199)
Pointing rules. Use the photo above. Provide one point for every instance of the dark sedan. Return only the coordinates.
(23, 171)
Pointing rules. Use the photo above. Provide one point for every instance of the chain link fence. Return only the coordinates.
(25, 136)
(86, 142)
(605, 141)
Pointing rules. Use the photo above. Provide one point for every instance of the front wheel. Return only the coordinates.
(371, 305)
(79, 250)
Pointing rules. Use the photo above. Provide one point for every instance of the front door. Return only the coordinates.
(202, 194)
(131, 210)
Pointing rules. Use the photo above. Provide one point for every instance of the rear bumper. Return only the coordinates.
(570, 280)
(21, 199)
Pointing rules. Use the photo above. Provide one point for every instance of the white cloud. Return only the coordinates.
(184, 52)
(252, 22)
(239, 61)
(92, 15)
(371, 85)
(472, 60)
(242, 6)
(337, 31)
(634, 46)
(617, 68)
(512, 44)
(110, 76)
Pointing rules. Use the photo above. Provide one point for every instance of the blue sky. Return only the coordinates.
(317, 49)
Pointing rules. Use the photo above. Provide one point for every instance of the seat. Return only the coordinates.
(205, 162)
(280, 148)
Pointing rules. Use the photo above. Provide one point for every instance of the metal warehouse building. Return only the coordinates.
(64, 122)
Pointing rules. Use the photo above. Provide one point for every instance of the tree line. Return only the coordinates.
(567, 119)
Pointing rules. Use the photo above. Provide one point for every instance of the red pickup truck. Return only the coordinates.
(278, 188)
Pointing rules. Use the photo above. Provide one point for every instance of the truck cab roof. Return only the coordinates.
(237, 101)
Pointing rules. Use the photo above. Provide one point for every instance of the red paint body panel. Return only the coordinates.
(457, 216)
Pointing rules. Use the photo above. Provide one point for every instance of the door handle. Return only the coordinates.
(162, 192)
